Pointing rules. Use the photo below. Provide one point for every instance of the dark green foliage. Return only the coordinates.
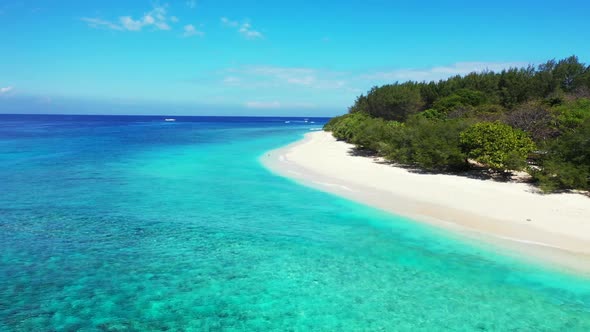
(566, 162)
(360, 105)
(497, 119)
(584, 80)
(561, 175)
(463, 98)
(497, 145)
(362, 130)
(373, 133)
(346, 127)
(550, 81)
(569, 74)
(432, 114)
(430, 93)
(543, 83)
(516, 86)
(394, 102)
(571, 114)
(428, 144)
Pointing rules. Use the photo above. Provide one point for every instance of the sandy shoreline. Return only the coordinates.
(552, 228)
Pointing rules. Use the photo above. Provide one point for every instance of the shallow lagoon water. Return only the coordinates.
(134, 224)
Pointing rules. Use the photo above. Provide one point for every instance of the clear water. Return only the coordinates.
(135, 224)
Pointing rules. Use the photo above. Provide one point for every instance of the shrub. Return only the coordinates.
(347, 126)
(566, 163)
(394, 101)
(497, 145)
(571, 115)
(429, 144)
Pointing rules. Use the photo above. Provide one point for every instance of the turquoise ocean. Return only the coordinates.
(137, 224)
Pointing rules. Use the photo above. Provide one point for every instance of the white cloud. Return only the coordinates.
(132, 25)
(277, 105)
(296, 76)
(148, 19)
(270, 76)
(6, 90)
(156, 18)
(305, 80)
(98, 23)
(227, 22)
(162, 26)
(191, 4)
(190, 30)
(245, 29)
(174, 19)
(263, 104)
(441, 72)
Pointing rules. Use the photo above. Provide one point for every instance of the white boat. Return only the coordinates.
(170, 120)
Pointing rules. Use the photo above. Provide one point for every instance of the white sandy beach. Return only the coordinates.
(552, 227)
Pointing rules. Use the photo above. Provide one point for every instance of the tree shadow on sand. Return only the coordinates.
(473, 172)
(476, 172)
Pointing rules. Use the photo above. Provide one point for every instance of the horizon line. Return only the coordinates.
(165, 115)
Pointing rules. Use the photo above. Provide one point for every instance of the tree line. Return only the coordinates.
(535, 119)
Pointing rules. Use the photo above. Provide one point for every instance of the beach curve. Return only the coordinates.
(553, 229)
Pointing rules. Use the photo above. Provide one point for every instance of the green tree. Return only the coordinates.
(436, 144)
(544, 84)
(570, 115)
(394, 102)
(463, 98)
(516, 86)
(432, 114)
(566, 163)
(424, 124)
(497, 145)
(569, 73)
(372, 133)
(346, 127)
(360, 105)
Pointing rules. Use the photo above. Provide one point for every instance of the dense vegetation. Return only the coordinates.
(535, 119)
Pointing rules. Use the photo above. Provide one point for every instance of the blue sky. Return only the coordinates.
(224, 57)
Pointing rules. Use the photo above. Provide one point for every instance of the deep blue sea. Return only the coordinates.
(137, 224)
